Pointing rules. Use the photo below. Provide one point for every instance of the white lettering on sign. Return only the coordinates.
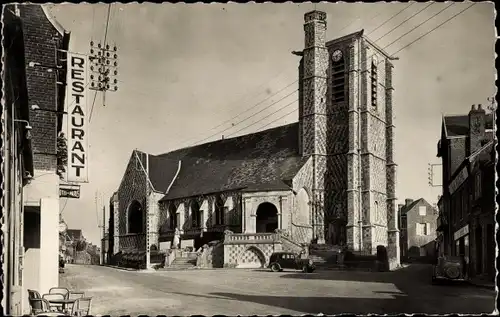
(459, 179)
(76, 100)
(461, 232)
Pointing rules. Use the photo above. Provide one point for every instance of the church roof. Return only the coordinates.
(458, 125)
(262, 161)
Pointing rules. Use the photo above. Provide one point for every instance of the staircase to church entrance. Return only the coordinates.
(182, 263)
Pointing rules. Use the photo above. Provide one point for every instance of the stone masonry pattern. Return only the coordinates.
(41, 41)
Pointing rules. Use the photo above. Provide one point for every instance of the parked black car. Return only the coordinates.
(450, 268)
(290, 260)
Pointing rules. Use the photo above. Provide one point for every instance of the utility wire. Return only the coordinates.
(430, 18)
(435, 28)
(297, 80)
(286, 106)
(247, 117)
(248, 109)
(399, 12)
(413, 15)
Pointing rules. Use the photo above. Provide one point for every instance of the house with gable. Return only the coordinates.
(327, 179)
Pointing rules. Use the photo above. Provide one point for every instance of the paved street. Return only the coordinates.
(248, 292)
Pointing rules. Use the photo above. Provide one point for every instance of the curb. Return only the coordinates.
(483, 286)
(120, 268)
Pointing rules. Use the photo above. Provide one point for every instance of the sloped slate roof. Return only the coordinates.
(260, 161)
(459, 125)
(162, 171)
(410, 207)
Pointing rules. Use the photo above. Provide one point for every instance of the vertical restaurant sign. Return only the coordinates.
(77, 118)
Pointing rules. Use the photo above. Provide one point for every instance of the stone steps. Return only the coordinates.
(182, 263)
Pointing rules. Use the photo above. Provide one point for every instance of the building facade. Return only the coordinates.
(330, 178)
(17, 159)
(466, 220)
(36, 210)
(417, 227)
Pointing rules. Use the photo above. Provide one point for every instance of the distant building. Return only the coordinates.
(75, 234)
(466, 221)
(417, 227)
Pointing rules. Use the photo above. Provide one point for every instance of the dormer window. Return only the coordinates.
(374, 81)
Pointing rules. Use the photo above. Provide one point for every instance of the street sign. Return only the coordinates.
(69, 191)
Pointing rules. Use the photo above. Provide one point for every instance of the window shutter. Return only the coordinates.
(428, 228)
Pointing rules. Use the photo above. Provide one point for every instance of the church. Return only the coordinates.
(329, 178)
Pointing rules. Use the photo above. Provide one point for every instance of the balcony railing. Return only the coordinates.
(133, 241)
(238, 238)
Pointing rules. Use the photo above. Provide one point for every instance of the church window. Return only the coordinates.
(219, 211)
(338, 80)
(374, 82)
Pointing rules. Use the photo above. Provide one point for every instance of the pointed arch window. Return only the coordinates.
(219, 210)
(338, 79)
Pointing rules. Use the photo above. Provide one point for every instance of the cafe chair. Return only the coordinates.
(81, 307)
(74, 295)
(39, 306)
(56, 296)
(33, 294)
(59, 290)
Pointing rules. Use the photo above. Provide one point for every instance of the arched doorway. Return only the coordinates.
(135, 217)
(195, 214)
(172, 216)
(267, 218)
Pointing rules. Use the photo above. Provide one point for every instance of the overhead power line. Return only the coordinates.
(406, 20)
(249, 117)
(435, 28)
(386, 21)
(355, 75)
(422, 23)
(247, 110)
(286, 106)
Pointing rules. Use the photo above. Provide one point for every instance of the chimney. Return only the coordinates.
(408, 202)
(313, 88)
(400, 208)
(477, 122)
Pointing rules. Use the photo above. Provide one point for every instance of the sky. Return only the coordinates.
(189, 74)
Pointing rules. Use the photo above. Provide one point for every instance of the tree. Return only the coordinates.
(62, 155)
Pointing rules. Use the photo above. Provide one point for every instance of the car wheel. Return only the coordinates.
(275, 267)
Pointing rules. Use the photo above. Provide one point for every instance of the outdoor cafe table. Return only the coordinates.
(62, 302)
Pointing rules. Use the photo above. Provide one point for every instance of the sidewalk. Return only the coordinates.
(482, 282)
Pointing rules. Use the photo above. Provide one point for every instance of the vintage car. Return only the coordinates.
(449, 268)
(290, 260)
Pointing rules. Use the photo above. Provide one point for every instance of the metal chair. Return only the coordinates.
(33, 294)
(74, 295)
(59, 290)
(39, 306)
(81, 307)
(56, 296)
